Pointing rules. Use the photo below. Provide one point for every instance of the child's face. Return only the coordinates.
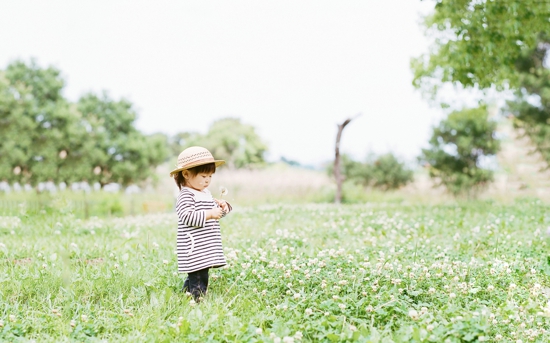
(199, 181)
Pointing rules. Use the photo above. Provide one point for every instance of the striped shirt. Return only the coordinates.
(199, 241)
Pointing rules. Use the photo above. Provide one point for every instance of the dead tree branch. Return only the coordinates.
(337, 168)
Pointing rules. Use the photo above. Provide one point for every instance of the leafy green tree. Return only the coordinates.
(122, 154)
(228, 139)
(15, 129)
(182, 140)
(39, 125)
(531, 107)
(457, 147)
(236, 142)
(493, 43)
(46, 138)
(477, 43)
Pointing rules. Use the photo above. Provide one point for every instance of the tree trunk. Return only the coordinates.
(337, 170)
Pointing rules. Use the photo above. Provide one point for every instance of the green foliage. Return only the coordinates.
(477, 43)
(493, 43)
(39, 127)
(84, 205)
(14, 146)
(122, 153)
(351, 169)
(182, 140)
(457, 147)
(45, 138)
(228, 139)
(531, 107)
(387, 172)
(110, 206)
(384, 172)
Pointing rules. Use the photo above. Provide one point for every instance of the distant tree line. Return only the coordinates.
(47, 138)
(228, 139)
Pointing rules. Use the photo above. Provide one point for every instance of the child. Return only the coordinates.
(199, 240)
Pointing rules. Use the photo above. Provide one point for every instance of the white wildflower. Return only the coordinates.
(413, 314)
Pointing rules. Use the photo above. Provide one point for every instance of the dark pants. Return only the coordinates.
(196, 283)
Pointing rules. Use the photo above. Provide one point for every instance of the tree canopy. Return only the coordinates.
(479, 42)
(47, 138)
(121, 153)
(531, 107)
(457, 148)
(228, 139)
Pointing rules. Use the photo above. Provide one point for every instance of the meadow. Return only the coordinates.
(371, 272)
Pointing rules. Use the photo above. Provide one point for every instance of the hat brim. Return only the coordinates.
(193, 165)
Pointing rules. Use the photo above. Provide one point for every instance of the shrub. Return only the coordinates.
(387, 172)
(384, 172)
(457, 149)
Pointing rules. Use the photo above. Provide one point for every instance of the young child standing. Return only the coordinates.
(199, 240)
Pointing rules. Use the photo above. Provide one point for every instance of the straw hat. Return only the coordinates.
(194, 156)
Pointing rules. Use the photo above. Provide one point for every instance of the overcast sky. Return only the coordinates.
(293, 69)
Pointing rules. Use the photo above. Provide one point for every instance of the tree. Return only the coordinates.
(477, 43)
(337, 168)
(38, 125)
(457, 149)
(228, 139)
(15, 147)
(182, 140)
(531, 106)
(122, 154)
(46, 138)
(493, 43)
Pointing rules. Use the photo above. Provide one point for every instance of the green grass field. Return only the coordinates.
(380, 272)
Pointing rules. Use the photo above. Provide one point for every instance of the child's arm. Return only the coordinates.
(185, 208)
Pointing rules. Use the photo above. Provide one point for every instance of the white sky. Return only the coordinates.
(293, 69)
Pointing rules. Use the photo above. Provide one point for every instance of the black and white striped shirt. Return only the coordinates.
(199, 241)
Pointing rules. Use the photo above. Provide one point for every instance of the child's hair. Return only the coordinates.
(209, 168)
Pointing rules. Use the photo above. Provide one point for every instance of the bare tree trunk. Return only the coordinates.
(337, 170)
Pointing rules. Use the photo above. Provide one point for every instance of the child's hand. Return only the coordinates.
(215, 213)
(222, 204)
